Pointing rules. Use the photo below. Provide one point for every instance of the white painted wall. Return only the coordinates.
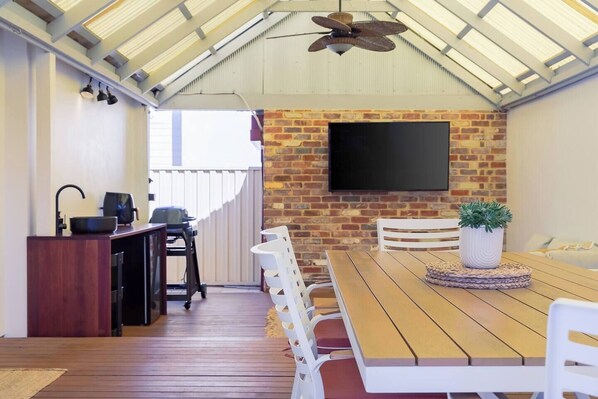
(50, 136)
(552, 167)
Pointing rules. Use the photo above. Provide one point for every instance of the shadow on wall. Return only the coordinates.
(227, 205)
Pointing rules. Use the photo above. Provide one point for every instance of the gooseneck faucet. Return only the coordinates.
(60, 225)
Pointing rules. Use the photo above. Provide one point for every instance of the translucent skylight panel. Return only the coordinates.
(506, 90)
(188, 66)
(197, 6)
(421, 31)
(169, 55)
(531, 78)
(117, 16)
(442, 15)
(562, 62)
(473, 68)
(594, 46)
(494, 53)
(474, 5)
(522, 33)
(152, 34)
(223, 16)
(65, 5)
(566, 17)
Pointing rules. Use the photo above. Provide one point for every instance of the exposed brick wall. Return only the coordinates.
(296, 178)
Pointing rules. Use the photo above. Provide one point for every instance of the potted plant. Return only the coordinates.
(482, 230)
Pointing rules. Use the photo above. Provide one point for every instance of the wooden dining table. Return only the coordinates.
(409, 335)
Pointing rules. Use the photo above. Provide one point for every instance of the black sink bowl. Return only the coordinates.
(93, 224)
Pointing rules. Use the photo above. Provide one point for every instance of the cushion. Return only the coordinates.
(342, 381)
(537, 241)
(586, 259)
(331, 333)
(561, 243)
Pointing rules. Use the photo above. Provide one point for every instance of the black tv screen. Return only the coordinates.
(388, 156)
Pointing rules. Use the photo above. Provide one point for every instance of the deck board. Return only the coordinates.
(217, 349)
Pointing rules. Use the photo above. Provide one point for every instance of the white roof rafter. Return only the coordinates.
(80, 13)
(550, 29)
(331, 6)
(592, 3)
(216, 35)
(448, 37)
(112, 42)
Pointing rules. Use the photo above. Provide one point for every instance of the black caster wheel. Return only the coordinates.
(204, 291)
(187, 305)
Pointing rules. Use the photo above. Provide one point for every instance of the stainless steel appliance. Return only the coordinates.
(122, 206)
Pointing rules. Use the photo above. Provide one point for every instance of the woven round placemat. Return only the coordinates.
(454, 274)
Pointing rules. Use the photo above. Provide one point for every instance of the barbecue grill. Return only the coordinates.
(178, 226)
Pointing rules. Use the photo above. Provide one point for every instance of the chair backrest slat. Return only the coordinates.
(424, 234)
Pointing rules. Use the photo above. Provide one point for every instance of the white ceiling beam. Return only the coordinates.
(499, 38)
(331, 6)
(557, 34)
(448, 64)
(568, 74)
(211, 62)
(3, 2)
(172, 38)
(592, 4)
(465, 49)
(48, 7)
(122, 35)
(222, 31)
(32, 29)
(74, 17)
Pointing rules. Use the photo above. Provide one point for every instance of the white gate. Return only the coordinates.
(228, 206)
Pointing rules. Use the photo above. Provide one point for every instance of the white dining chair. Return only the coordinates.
(324, 304)
(318, 376)
(566, 316)
(418, 234)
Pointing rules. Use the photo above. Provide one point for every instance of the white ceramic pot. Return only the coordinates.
(479, 249)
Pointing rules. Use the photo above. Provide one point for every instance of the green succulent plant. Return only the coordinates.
(491, 215)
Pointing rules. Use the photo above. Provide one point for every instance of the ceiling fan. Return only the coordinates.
(344, 33)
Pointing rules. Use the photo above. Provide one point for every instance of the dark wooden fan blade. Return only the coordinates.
(299, 34)
(319, 44)
(331, 23)
(378, 28)
(374, 43)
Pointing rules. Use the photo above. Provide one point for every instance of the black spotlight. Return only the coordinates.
(111, 97)
(101, 95)
(87, 91)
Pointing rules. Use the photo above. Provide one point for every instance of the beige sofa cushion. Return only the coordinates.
(537, 241)
(586, 259)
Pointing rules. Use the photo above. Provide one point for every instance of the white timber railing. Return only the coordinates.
(227, 205)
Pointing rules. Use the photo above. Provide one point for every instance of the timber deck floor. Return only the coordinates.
(217, 349)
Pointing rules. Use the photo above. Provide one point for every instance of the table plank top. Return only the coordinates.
(400, 319)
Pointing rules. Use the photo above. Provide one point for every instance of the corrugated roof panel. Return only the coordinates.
(594, 46)
(562, 62)
(197, 6)
(420, 30)
(152, 34)
(506, 90)
(187, 66)
(442, 15)
(473, 68)
(239, 31)
(522, 33)
(117, 16)
(65, 5)
(494, 53)
(223, 16)
(474, 5)
(567, 17)
(171, 53)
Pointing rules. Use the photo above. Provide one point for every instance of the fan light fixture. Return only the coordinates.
(111, 97)
(101, 95)
(87, 91)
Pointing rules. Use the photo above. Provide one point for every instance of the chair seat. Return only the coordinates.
(342, 381)
(331, 333)
(323, 303)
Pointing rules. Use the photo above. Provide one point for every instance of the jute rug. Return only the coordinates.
(273, 327)
(25, 383)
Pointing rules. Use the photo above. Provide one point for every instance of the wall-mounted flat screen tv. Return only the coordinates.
(388, 156)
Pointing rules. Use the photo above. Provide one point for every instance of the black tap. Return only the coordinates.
(60, 225)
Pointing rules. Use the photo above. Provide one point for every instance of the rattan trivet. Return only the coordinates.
(454, 274)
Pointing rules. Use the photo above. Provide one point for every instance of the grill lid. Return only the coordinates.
(170, 215)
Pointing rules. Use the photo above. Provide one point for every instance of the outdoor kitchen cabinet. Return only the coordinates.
(70, 291)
